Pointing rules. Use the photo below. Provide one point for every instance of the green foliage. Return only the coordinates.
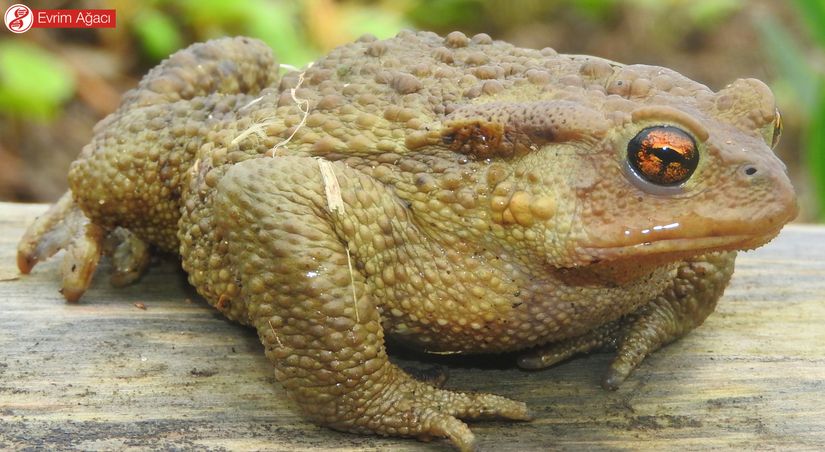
(381, 23)
(815, 148)
(796, 80)
(441, 14)
(203, 13)
(805, 84)
(703, 14)
(599, 10)
(275, 24)
(812, 12)
(707, 13)
(158, 28)
(157, 33)
(33, 85)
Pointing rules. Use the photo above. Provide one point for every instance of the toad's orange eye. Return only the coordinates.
(663, 155)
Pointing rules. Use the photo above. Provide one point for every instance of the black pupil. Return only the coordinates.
(669, 155)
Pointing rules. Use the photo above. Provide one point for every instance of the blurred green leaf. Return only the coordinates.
(789, 61)
(808, 85)
(33, 84)
(274, 23)
(599, 10)
(441, 14)
(815, 148)
(813, 13)
(158, 34)
(216, 11)
(708, 13)
(381, 23)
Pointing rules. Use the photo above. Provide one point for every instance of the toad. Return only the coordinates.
(457, 194)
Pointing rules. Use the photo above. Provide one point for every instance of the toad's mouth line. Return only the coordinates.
(681, 245)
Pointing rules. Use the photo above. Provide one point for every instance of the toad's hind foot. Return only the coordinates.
(407, 407)
(685, 305)
(65, 227)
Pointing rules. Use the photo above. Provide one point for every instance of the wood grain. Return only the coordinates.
(107, 375)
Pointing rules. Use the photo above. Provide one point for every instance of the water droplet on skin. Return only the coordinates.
(651, 232)
(665, 227)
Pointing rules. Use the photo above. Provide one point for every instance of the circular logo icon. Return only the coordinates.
(19, 18)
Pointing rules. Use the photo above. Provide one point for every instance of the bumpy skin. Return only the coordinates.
(461, 195)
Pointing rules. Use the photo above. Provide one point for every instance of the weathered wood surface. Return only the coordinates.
(105, 374)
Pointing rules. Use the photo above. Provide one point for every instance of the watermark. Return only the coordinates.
(20, 18)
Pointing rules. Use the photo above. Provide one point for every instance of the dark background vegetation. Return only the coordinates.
(56, 84)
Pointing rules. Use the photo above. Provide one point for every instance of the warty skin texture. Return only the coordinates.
(486, 205)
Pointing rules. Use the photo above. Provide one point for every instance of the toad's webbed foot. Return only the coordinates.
(683, 306)
(65, 227)
(407, 407)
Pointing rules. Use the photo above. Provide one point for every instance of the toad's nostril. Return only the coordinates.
(750, 170)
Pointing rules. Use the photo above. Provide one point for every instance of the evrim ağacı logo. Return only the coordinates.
(18, 18)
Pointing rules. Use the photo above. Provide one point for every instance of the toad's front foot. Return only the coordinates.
(686, 303)
(65, 227)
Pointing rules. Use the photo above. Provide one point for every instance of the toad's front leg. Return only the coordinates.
(683, 306)
(295, 260)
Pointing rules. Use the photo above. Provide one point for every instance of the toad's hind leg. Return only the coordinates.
(683, 306)
(313, 312)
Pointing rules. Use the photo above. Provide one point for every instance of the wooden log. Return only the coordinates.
(152, 366)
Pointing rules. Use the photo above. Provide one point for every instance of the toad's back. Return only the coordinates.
(365, 98)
